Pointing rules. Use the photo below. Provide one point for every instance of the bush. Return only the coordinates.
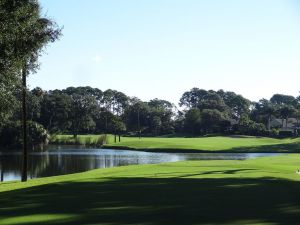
(11, 135)
(274, 132)
(286, 133)
(38, 135)
(249, 127)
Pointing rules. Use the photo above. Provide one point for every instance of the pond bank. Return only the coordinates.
(229, 144)
(59, 160)
(255, 149)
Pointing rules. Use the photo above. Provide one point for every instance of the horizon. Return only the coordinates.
(144, 48)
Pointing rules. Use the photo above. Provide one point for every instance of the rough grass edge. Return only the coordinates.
(84, 140)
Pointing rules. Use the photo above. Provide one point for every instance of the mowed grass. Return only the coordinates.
(256, 191)
(180, 144)
(226, 144)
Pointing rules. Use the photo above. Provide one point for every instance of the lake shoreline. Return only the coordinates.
(181, 150)
(218, 144)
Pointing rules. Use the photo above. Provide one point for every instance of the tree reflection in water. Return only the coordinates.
(58, 160)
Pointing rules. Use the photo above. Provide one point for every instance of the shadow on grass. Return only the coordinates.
(157, 201)
(212, 172)
(281, 148)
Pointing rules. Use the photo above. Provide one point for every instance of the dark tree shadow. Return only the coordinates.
(159, 201)
(280, 148)
(184, 175)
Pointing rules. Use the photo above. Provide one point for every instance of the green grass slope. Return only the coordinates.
(210, 144)
(256, 191)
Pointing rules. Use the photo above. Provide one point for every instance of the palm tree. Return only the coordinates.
(269, 110)
(285, 112)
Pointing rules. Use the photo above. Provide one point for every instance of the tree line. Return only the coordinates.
(227, 112)
(87, 110)
(84, 110)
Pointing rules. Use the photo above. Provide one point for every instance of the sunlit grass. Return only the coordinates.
(231, 143)
(178, 144)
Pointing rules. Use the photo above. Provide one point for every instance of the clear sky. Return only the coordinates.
(161, 48)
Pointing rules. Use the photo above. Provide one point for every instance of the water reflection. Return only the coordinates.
(65, 160)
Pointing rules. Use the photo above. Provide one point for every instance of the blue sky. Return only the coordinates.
(161, 48)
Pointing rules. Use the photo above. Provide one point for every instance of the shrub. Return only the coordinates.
(286, 133)
(274, 132)
(38, 135)
(102, 139)
(88, 141)
(11, 134)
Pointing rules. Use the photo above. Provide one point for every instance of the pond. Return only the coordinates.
(58, 160)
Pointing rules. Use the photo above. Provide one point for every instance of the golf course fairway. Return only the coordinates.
(264, 190)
